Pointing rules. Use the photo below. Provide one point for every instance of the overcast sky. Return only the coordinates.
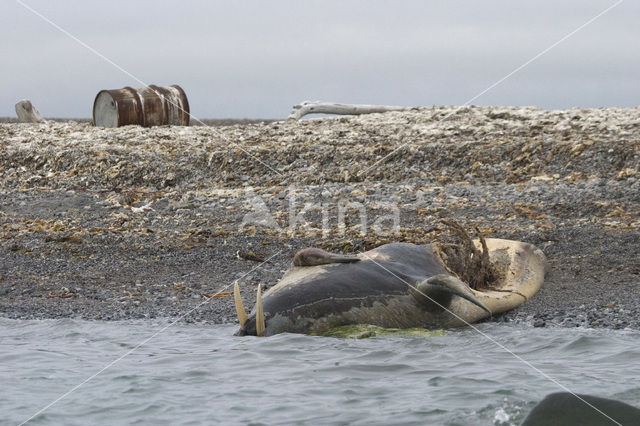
(256, 59)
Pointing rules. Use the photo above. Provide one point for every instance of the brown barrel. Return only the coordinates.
(147, 106)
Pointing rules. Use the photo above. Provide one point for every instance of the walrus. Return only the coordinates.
(563, 408)
(396, 285)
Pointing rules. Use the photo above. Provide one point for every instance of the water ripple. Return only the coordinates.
(191, 374)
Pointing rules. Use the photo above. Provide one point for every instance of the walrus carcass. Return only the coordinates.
(397, 285)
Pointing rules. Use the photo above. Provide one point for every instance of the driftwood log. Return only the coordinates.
(27, 113)
(308, 107)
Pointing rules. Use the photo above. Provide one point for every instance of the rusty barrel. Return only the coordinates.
(147, 106)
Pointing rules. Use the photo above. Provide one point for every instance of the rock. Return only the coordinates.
(27, 113)
(564, 408)
(539, 323)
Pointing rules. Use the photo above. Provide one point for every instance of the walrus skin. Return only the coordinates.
(397, 285)
(563, 408)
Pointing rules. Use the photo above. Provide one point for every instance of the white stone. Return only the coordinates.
(27, 113)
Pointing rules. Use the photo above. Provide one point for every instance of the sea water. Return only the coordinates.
(82, 372)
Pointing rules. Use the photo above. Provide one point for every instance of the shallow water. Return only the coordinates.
(192, 374)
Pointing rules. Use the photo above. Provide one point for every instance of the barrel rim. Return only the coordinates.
(95, 100)
(185, 102)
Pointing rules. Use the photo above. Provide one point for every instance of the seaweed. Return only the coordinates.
(365, 331)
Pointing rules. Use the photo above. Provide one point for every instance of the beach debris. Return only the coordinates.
(146, 106)
(65, 238)
(468, 146)
(145, 208)
(27, 113)
(218, 295)
(63, 293)
(309, 107)
(249, 255)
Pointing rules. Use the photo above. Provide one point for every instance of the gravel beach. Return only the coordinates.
(138, 222)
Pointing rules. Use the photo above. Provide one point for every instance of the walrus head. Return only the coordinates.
(304, 258)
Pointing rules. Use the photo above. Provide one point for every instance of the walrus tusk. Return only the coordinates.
(259, 313)
(242, 314)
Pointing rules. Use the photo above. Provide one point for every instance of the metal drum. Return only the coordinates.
(147, 106)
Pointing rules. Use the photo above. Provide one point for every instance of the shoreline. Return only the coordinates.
(133, 223)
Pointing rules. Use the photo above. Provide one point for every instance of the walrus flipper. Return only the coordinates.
(314, 257)
(435, 293)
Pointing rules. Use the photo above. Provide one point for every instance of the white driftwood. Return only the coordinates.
(27, 113)
(308, 107)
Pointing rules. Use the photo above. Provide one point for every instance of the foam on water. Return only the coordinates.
(190, 374)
